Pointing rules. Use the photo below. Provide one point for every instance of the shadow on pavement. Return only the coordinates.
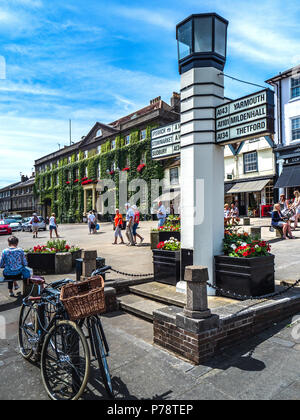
(96, 390)
(241, 355)
(13, 304)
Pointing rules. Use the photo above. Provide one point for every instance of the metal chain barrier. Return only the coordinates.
(131, 275)
(244, 297)
(219, 289)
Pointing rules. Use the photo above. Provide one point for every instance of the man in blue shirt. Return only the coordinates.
(161, 214)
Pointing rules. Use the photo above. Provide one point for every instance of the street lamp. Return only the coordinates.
(202, 40)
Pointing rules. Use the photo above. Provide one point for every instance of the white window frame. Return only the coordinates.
(295, 87)
(298, 129)
(141, 135)
(249, 163)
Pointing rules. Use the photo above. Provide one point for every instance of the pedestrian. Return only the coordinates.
(118, 223)
(53, 225)
(278, 220)
(136, 223)
(161, 214)
(91, 222)
(14, 262)
(296, 207)
(96, 220)
(35, 225)
(129, 224)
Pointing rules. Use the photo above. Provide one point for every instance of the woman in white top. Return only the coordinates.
(53, 225)
(296, 207)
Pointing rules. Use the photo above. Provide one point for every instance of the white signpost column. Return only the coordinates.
(202, 53)
(202, 168)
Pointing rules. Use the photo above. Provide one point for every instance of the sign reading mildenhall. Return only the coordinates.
(246, 117)
(165, 141)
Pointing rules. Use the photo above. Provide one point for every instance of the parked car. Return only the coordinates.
(4, 228)
(13, 224)
(16, 217)
(27, 227)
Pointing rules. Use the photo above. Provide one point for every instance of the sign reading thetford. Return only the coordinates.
(165, 141)
(245, 118)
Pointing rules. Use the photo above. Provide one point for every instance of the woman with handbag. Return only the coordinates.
(279, 221)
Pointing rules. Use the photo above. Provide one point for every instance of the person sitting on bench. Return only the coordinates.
(14, 262)
(278, 221)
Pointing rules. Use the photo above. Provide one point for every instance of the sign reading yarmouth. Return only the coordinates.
(165, 141)
(245, 118)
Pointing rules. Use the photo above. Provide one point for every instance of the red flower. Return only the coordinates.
(76, 180)
(125, 169)
(68, 182)
(140, 167)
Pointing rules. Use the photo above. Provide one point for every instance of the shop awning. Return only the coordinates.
(290, 177)
(168, 196)
(227, 187)
(250, 186)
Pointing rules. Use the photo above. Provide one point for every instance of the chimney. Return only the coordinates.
(155, 100)
(175, 102)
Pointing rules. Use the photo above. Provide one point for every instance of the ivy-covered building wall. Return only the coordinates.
(104, 153)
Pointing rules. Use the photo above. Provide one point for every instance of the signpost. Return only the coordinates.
(165, 141)
(245, 118)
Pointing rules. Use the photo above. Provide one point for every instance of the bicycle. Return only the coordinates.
(46, 334)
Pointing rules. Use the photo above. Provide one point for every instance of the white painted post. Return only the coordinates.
(202, 168)
(201, 61)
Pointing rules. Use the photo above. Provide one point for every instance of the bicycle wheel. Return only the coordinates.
(99, 347)
(28, 335)
(65, 361)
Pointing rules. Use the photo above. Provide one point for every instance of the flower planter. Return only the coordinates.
(245, 276)
(157, 237)
(41, 263)
(166, 266)
(46, 263)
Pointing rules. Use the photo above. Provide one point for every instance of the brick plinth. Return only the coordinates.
(198, 342)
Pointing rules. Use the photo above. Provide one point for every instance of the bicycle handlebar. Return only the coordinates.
(101, 270)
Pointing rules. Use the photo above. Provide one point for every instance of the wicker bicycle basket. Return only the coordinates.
(84, 299)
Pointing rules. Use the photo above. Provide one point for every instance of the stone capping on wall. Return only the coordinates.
(199, 340)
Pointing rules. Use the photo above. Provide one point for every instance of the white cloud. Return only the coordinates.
(161, 18)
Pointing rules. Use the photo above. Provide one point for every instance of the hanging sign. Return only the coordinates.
(245, 118)
(165, 141)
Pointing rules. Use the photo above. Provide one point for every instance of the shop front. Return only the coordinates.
(288, 159)
(254, 198)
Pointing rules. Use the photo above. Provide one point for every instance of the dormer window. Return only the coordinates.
(99, 133)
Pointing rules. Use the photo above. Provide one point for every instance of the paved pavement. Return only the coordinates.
(265, 367)
(143, 371)
(139, 259)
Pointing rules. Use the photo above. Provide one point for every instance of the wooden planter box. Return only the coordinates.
(246, 276)
(166, 266)
(157, 237)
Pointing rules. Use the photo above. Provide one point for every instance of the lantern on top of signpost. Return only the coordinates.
(202, 40)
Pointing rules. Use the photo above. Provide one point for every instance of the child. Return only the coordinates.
(14, 262)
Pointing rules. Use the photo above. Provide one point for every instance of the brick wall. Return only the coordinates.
(200, 346)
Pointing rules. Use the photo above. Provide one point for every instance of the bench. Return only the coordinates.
(28, 287)
(279, 231)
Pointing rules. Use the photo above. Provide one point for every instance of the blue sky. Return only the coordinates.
(96, 60)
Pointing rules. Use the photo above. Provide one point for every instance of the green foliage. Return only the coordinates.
(67, 200)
